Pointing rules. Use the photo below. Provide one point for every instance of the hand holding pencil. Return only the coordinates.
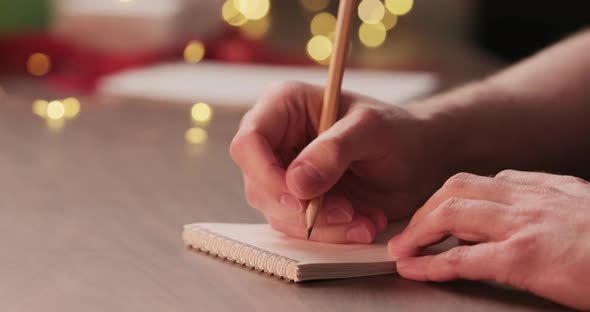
(368, 166)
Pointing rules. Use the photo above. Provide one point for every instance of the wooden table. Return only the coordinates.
(91, 217)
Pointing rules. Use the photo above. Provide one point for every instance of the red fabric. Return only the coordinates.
(79, 69)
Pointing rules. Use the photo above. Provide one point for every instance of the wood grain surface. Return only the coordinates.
(91, 218)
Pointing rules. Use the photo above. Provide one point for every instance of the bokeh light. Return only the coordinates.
(389, 20)
(40, 108)
(314, 5)
(201, 113)
(253, 9)
(55, 124)
(55, 110)
(372, 35)
(196, 135)
(323, 24)
(38, 64)
(256, 29)
(194, 52)
(371, 11)
(232, 15)
(319, 48)
(71, 107)
(399, 7)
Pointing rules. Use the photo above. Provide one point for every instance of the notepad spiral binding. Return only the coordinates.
(241, 253)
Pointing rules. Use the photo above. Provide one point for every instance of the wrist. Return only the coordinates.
(455, 134)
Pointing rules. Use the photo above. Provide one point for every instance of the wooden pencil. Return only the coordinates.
(330, 105)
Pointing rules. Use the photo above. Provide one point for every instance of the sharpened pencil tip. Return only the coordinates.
(309, 232)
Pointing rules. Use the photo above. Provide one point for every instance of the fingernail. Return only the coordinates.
(306, 178)
(338, 216)
(290, 202)
(392, 244)
(358, 234)
(393, 240)
(402, 262)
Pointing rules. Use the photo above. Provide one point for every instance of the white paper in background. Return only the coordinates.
(237, 86)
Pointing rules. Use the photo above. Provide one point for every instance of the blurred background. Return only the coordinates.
(64, 49)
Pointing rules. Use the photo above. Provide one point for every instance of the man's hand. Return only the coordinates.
(532, 230)
(377, 162)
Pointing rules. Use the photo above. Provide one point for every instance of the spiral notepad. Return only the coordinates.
(258, 246)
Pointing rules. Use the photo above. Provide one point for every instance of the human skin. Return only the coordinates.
(380, 162)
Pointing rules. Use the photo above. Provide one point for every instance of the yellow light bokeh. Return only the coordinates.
(55, 110)
(253, 9)
(372, 35)
(371, 11)
(196, 135)
(55, 124)
(256, 29)
(71, 107)
(231, 15)
(201, 112)
(40, 108)
(399, 7)
(389, 20)
(314, 5)
(38, 64)
(194, 52)
(323, 24)
(319, 48)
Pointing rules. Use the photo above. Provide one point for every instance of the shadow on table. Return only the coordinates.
(446, 293)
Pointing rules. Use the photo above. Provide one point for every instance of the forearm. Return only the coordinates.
(532, 116)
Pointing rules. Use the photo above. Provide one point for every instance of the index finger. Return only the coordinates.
(266, 126)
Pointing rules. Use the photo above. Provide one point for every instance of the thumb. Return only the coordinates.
(323, 162)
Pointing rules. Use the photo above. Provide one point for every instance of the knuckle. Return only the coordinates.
(455, 257)
(460, 181)
(331, 149)
(450, 208)
(506, 173)
(368, 116)
(521, 248)
(326, 157)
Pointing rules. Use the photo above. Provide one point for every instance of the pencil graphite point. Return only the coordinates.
(309, 232)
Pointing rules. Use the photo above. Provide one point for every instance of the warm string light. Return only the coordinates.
(201, 115)
(194, 52)
(389, 20)
(196, 135)
(319, 48)
(232, 15)
(399, 7)
(377, 19)
(372, 35)
(39, 64)
(253, 9)
(57, 112)
(256, 29)
(323, 24)
(371, 11)
(251, 16)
